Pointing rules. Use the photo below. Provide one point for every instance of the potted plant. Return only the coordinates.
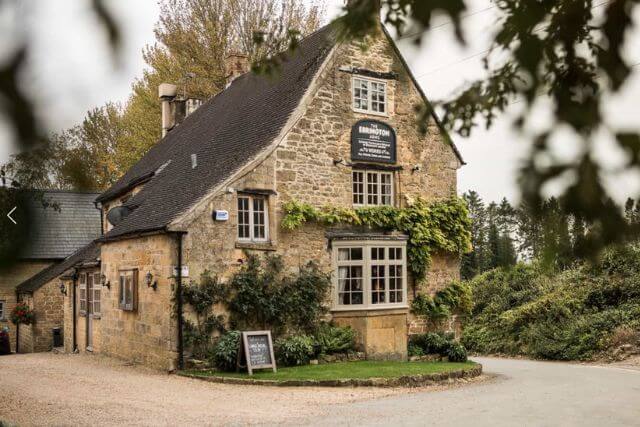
(22, 314)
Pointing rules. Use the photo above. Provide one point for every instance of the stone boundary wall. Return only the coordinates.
(404, 381)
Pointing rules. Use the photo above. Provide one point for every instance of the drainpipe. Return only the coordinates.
(74, 279)
(179, 303)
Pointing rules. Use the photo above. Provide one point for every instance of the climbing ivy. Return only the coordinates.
(442, 226)
(455, 297)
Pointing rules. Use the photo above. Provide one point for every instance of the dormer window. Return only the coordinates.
(369, 96)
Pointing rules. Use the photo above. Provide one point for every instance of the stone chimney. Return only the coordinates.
(174, 107)
(235, 65)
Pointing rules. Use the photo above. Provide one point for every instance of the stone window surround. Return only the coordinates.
(369, 110)
(367, 244)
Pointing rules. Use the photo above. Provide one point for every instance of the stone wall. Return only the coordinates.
(8, 282)
(147, 335)
(302, 168)
(47, 303)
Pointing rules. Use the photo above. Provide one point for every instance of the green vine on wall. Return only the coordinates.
(442, 226)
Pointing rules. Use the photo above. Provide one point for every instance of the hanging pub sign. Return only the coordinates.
(373, 141)
(256, 351)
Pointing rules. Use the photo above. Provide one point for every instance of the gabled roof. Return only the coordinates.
(224, 134)
(88, 254)
(69, 221)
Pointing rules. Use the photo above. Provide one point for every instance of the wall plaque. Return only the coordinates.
(256, 351)
(373, 141)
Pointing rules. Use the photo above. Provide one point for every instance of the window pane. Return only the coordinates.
(377, 253)
(243, 218)
(128, 291)
(377, 284)
(395, 253)
(350, 285)
(358, 188)
(385, 189)
(395, 283)
(372, 188)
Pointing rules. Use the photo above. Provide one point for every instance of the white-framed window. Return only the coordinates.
(82, 293)
(369, 275)
(372, 188)
(2, 309)
(95, 293)
(128, 290)
(253, 218)
(369, 96)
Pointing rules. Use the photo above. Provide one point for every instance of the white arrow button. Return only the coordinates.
(9, 214)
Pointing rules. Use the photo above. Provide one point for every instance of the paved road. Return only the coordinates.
(524, 393)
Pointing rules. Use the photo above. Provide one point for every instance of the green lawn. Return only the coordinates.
(346, 370)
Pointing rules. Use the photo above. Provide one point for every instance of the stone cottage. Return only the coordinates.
(62, 223)
(336, 126)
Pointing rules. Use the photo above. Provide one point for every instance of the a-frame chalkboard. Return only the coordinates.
(256, 350)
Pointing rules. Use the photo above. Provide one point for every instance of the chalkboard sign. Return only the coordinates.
(256, 350)
(373, 141)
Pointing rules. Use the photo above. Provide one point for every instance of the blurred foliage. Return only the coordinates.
(192, 39)
(561, 50)
(573, 314)
(330, 339)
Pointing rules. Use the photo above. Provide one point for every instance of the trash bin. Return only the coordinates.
(57, 337)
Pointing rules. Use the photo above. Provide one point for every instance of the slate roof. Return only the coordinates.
(224, 133)
(67, 224)
(87, 254)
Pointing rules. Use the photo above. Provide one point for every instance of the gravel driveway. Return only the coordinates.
(60, 389)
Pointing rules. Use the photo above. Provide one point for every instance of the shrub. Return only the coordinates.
(456, 353)
(415, 350)
(567, 315)
(334, 339)
(225, 352)
(431, 343)
(264, 297)
(294, 350)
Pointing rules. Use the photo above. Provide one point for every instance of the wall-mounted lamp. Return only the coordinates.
(416, 168)
(337, 162)
(104, 282)
(150, 282)
(63, 289)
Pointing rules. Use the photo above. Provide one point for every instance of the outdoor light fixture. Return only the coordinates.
(337, 162)
(104, 282)
(63, 289)
(416, 168)
(150, 282)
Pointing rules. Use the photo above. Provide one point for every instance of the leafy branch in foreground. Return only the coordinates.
(432, 227)
(564, 51)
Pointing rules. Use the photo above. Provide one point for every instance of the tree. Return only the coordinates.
(472, 263)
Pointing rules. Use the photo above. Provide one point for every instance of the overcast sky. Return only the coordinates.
(74, 73)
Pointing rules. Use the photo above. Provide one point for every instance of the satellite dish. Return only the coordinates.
(117, 214)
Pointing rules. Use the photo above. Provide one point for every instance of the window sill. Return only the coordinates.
(369, 311)
(258, 246)
(370, 113)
